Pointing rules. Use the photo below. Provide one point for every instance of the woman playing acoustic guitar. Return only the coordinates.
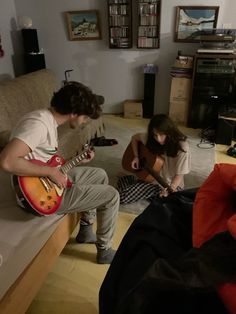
(163, 139)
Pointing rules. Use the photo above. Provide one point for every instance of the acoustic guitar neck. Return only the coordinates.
(156, 176)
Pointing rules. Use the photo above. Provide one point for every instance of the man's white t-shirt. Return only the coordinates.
(38, 129)
(181, 164)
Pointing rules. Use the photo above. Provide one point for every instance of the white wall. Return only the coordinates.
(7, 17)
(116, 74)
(228, 14)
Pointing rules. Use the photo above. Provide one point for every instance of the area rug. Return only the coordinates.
(109, 158)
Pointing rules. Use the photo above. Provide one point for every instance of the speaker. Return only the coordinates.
(30, 40)
(34, 62)
(149, 94)
(224, 132)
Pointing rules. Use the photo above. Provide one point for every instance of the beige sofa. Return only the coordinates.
(30, 244)
(32, 91)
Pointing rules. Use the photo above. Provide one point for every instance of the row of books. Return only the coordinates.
(120, 42)
(118, 1)
(181, 72)
(118, 9)
(149, 1)
(147, 8)
(147, 31)
(149, 20)
(117, 32)
(144, 42)
(119, 20)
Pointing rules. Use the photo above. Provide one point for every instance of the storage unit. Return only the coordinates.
(179, 112)
(120, 23)
(179, 99)
(133, 109)
(180, 89)
(213, 90)
(149, 23)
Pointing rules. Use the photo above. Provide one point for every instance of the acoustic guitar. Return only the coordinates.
(40, 195)
(150, 165)
(152, 160)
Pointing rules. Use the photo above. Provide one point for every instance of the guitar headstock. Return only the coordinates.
(88, 148)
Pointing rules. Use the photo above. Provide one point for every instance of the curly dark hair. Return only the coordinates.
(74, 97)
(163, 124)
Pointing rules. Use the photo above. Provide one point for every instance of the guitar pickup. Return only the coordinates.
(45, 184)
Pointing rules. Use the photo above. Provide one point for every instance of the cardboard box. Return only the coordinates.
(178, 112)
(184, 62)
(133, 109)
(180, 89)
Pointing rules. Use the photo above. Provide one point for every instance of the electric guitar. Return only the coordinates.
(152, 160)
(40, 195)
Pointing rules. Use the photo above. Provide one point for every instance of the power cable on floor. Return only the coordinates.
(207, 138)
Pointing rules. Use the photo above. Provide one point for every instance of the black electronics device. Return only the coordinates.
(30, 40)
(33, 57)
(213, 89)
(149, 95)
(34, 62)
(224, 132)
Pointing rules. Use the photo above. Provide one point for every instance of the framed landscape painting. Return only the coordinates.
(191, 20)
(83, 25)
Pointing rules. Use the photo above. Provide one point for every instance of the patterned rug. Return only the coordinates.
(109, 158)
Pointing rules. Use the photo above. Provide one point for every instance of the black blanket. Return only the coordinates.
(155, 269)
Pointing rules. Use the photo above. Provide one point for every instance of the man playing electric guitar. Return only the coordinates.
(28, 156)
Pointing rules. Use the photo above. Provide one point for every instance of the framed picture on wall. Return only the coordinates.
(192, 20)
(83, 25)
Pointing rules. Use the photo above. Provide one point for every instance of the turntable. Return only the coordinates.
(217, 40)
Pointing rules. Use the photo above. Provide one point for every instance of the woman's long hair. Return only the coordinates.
(161, 123)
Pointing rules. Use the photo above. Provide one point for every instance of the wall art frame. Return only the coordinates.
(191, 20)
(83, 25)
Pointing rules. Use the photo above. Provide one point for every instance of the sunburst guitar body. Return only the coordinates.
(150, 165)
(40, 195)
(153, 161)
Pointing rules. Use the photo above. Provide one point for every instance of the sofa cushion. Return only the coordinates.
(214, 204)
(4, 138)
(24, 94)
(214, 212)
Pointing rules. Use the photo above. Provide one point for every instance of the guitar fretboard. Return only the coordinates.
(74, 162)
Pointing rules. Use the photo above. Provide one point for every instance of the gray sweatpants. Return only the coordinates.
(91, 195)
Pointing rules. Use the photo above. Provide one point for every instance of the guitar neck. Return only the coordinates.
(74, 162)
(158, 178)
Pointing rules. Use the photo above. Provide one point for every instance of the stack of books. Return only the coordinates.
(183, 67)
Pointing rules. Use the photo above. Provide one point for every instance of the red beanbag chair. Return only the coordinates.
(214, 211)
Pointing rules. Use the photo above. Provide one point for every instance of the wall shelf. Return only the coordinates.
(120, 23)
(149, 13)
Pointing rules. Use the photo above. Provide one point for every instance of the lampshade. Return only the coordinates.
(25, 22)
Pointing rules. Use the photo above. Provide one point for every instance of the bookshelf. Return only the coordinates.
(149, 12)
(120, 23)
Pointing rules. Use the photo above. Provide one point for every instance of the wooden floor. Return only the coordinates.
(73, 284)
